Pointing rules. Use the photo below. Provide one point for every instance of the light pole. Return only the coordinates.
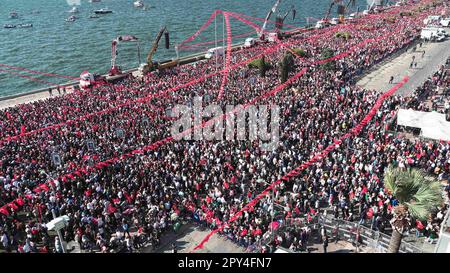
(58, 230)
(272, 213)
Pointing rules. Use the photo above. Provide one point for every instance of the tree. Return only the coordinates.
(285, 66)
(326, 54)
(417, 197)
(260, 64)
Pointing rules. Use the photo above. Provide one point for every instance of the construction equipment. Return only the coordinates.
(151, 65)
(269, 14)
(115, 69)
(329, 11)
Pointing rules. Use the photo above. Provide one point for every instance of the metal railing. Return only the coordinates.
(359, 234)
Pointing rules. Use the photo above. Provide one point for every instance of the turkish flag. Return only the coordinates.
(4, 211)
(20, 201)
(12, 205)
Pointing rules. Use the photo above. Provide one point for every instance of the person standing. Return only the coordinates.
(391, 80)
(5, 241)
(58, 246)
(174, 248)
(325, 243)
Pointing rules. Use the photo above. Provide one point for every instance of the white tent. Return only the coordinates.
(432, 124)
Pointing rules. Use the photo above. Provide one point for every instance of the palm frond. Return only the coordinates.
(421, 196)
(390, 179)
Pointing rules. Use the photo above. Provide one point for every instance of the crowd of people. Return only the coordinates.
(128, 201)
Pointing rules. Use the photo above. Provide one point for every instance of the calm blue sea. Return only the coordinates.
(56, 46)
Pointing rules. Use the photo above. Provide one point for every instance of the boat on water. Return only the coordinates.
(94, 1)
(103, 11)
(13, 15)
(138, 4)
(25, 25)
(71, 19)
(9, 26)
(74, 10)
(93, 16)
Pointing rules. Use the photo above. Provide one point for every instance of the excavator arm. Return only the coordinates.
(329, 10)
(155, 47)
(272, 11)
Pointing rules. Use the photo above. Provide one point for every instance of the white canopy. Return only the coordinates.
(432, 124)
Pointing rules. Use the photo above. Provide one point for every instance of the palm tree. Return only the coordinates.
(417, 197)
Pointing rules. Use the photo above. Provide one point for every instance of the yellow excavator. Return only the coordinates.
(151, 65)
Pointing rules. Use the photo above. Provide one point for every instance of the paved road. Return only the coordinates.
(436, 55)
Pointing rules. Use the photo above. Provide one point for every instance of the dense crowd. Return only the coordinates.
(135, 199)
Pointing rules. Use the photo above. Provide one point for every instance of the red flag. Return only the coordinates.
(9, 115)
(128, 197)
(244, 232)
(20, 201)
(44, 187)
(419, 224)
(4, 211)
(111, 209)
(208, 199)
(12, 205)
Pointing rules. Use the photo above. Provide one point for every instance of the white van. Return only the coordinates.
(321, 24)
(219, 51)
(249, 42)
(334, 21)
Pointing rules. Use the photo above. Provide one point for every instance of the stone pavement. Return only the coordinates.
(189, 236)
(435, 55)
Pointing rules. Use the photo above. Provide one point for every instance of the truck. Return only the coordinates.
(433, 34)
(445, 22)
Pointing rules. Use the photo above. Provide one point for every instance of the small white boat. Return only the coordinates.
(94, 1)
(103, 11)
(71, 19)
(139, 4)
(13, 15)
(9, 26)
(74, 10)
(25, 25)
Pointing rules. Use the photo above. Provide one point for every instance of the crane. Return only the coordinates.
(269, 14)
(329, 11)
(115, 69)
(149, 66)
